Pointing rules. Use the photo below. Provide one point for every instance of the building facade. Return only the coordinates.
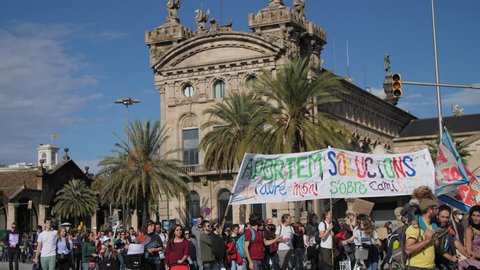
(27, 191)
(194, 68)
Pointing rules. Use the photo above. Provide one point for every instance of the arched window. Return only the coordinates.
(219, 89)
(222, 204)
(193, 205)
(188, 90)
(250, 81)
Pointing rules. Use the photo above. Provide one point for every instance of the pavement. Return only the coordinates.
(21, 266)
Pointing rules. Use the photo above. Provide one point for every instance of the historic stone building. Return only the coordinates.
(194, 68)
(27, 191)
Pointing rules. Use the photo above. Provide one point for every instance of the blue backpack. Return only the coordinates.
(241, 244)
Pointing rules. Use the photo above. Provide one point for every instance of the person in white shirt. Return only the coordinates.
(325, 227)
(285, 248)
(47, 246)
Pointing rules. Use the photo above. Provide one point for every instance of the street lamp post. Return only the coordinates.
(126, 102)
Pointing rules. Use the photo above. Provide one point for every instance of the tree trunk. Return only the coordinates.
(242, 213)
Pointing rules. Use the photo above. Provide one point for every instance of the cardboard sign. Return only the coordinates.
(382, 233)
(360, 206)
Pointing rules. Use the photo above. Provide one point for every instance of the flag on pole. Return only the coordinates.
(54, 135)
(453, 180)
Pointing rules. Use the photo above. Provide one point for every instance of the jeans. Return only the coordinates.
(299, 257)
(286, 258)
(121, 260)
(13, 258)
(48, 263)
(211, 265)
(235, 266)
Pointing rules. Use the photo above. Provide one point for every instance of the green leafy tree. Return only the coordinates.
(460, 145)
(138, 173)
(296, 125)
(75, 199)
(238, 123)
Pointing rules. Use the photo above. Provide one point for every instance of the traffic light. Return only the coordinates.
(397, 85)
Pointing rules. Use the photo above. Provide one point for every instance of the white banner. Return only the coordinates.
(330, 173)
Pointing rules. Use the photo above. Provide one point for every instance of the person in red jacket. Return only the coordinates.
(233, 257)
(177, 247)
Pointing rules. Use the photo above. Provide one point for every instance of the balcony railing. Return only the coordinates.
(201, 169)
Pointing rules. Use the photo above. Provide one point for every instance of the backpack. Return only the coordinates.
(396, 247)
(219, 247)
(241, 244)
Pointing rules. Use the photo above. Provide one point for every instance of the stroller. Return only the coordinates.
(179, 267)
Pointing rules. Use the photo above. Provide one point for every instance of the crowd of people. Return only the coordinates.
(430, 235)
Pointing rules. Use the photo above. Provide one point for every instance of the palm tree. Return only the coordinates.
(238, 127)
(296, 125)
(75, 200)
(139, 173)
(460, 145)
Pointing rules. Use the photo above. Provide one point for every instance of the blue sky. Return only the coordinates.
(64, 63)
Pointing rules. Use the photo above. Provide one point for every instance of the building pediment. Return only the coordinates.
(217, 49)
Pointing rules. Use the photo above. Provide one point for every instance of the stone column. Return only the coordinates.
(10, 214)
(93, 221)
(42, 214)
(134, 220)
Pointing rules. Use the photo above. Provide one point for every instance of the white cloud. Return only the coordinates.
(108, 36)
(379, 92)
(40, 85)
(464, 97)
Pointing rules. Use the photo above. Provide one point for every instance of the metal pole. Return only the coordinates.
(437, 79)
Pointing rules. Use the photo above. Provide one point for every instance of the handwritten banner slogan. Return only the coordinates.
(330, 173)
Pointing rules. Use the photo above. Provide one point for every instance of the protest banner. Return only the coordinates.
(330, 173)
(455, 184)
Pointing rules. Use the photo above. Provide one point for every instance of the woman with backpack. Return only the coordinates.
(233, 258)
(63, 250)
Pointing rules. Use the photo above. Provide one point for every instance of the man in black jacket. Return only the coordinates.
(12, 239)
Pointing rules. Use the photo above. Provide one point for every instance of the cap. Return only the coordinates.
(427, 203)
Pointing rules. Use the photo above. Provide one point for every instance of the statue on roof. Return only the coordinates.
(201, 18)
(275, 3)
(299, 6)
(172, 7)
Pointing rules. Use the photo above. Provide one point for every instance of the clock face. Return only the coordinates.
(188, 90)
(44, 156)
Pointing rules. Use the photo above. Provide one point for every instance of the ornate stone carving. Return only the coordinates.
(299, 7)
(172, 8)
(201, 18)
(189, 121)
